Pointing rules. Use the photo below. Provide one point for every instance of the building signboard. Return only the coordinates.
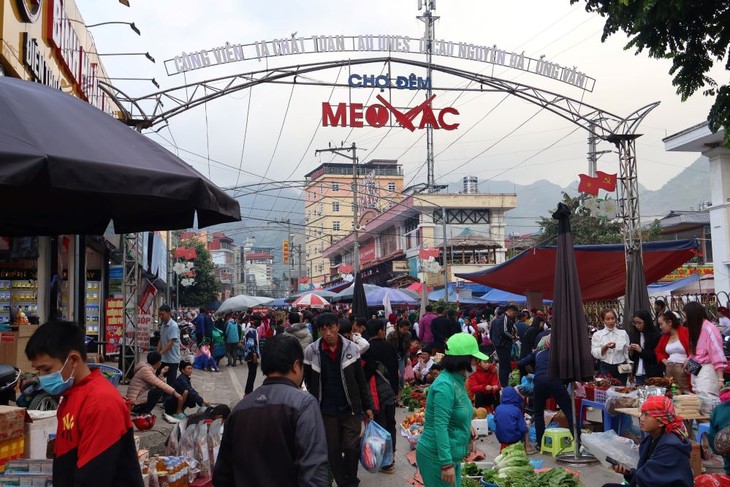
(390, 44)
(46, 41)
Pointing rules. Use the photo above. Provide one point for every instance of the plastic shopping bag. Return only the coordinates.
(376, 448)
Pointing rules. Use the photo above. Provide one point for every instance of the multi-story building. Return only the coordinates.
(222, 252)
(329, 205)
(465, 230)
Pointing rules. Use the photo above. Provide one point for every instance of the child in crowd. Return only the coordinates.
(483, 386)
(510, 420)
(204, 359)
(433, 372)
(413, 350)
(424, 364)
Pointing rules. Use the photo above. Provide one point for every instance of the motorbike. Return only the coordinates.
(9, 377)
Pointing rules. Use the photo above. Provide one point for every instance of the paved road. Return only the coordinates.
(227, 387)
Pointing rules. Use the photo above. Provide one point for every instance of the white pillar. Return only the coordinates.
(720, 216)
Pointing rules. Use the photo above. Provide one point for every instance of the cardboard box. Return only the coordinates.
(37, 432)
(695, 459)
(11, 422)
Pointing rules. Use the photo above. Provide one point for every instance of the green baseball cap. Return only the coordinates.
(464, 344)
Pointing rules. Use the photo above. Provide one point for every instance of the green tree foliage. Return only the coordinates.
(205, 289)
(694, 34)
(588, 229)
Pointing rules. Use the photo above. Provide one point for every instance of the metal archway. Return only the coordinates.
(620, 131)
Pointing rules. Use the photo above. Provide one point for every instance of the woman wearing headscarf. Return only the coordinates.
(664, 451)
(644, 338)
(707, 354)
(447, 425)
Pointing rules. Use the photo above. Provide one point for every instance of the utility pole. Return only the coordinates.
(291, 243)
(429, 20)
(352, 155)
(446, 265)
(593, 152)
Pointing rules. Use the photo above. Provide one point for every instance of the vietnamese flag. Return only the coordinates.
(190, 253)
(588, 184)
(180, 253)
(606, 181)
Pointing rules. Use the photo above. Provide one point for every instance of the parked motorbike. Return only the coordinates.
(32, 396)
(9, 377)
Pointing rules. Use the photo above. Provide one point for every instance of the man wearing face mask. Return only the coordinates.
(94, 442)
(277, 417)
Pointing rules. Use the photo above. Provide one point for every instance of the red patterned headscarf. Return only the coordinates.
(662, 409)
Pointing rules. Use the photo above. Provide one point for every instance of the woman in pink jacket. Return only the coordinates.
(707, 355)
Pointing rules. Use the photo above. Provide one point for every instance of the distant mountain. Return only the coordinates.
(683, 192)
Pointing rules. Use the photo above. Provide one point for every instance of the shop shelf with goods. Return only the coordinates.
(24, 297)
(93, 307)
(5, 302)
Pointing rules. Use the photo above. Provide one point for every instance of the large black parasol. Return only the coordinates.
(570, 351)
(69, 168)
(637, 294)
(359, 301)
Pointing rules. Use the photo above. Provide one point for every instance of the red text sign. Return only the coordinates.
(377, 115)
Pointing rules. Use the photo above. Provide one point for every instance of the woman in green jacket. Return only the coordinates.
(447, 427)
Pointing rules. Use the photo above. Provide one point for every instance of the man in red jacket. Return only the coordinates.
(94, 442)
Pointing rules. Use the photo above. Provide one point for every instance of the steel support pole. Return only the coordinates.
(628, 200)
(130, 291)
(446, 265)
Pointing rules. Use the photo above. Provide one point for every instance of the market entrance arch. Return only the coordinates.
(618, 130)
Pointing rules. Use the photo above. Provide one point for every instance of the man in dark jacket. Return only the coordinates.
(183, 387)
(381, 366)
(442, 329)
(335, 377)
(275, 436)
(502, 333)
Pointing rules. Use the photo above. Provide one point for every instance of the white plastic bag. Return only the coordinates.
(617, 400)
(609, 444)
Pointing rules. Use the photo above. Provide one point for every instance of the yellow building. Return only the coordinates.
(329, 205)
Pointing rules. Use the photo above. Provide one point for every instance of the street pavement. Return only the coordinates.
(227, 387)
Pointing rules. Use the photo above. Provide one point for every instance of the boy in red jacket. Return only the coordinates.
(483, 386)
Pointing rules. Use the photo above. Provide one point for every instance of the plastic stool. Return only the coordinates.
(607, 419)
(557, 440)
(702, 429)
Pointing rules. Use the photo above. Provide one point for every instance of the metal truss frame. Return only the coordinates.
(621, 131)
(130, 290)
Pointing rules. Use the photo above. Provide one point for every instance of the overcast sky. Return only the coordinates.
(281, 123)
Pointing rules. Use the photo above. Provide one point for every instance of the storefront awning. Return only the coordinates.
(601, 268)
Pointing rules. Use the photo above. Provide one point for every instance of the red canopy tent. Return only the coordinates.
(601, 268)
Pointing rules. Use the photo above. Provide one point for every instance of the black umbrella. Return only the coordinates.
(359, 302)
(637, 294)
(69, 168)
(570, 352)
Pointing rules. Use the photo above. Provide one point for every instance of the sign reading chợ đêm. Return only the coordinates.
(318, 44)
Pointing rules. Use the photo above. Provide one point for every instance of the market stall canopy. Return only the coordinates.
(311, 300)
(504, 297)
(243, 302)
(664, 288)
(702, 285)
(601, 268)
(319, 292)
(346, 293)
(439, 294)
(398, 297)
(66, 167)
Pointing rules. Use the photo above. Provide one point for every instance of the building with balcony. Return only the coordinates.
(329, 205)
(467, 229)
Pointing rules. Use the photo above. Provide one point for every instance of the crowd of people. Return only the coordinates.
(327, 372)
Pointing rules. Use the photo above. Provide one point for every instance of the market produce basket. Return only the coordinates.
(113, 374)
